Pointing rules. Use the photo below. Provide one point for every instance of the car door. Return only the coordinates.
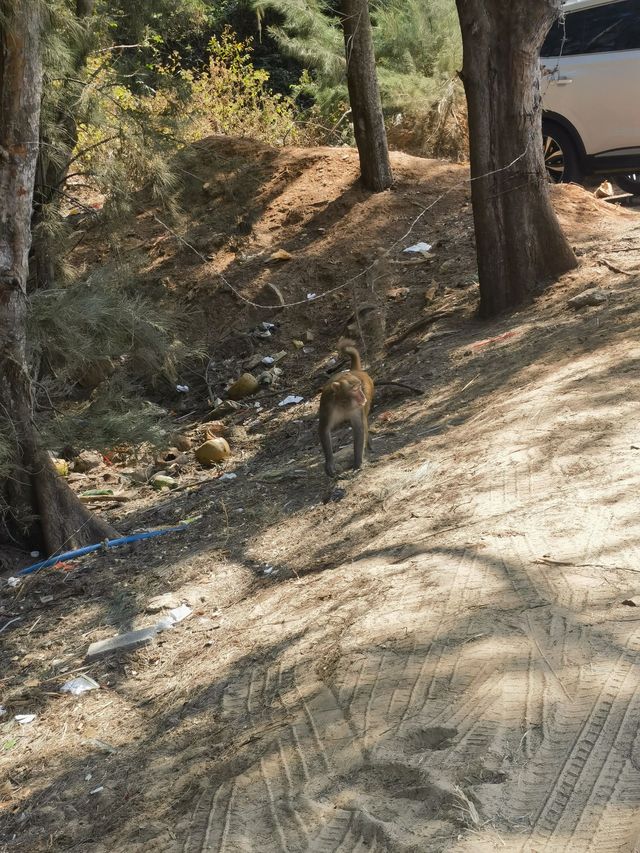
(591, 74)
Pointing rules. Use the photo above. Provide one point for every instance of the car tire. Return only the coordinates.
(560, 155)
(629, 183)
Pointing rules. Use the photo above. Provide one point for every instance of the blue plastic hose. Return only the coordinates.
(88, 549)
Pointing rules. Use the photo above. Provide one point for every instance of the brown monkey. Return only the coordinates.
(348, 397)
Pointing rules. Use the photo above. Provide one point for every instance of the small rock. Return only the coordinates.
(253, 362)
(298, 344)
(431, 293)
(166, 601)
(87, 460)
(309, 336)
(183, 443)
(237, 434)
(632, 602)
(397, 293)
(225, 408)
(449, 264)
(100, 745)
(335, 496)
(139, 475)
(243, 387)
(280, 255)
(593, 296)
(213, 450)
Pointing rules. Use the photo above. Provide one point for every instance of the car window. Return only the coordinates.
(615, 26)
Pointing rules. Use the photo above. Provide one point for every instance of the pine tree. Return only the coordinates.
(519, 242)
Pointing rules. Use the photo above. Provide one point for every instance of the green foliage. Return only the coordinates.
(418, 49)
(103, 122)
(114, 417)
(72, 328)
(96, 333)
(415, 38)
(230, 96)
(311, 33)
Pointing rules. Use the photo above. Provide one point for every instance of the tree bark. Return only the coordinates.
(37, 508)
(364, 96)
(519, 242)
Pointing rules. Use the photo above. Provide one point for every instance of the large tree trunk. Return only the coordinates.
(518, 238)
(364, 96)
(37, 508)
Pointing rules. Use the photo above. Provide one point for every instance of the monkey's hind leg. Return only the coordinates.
(358, 425)
(327, 446)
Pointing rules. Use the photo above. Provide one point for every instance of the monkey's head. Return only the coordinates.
(348, 392)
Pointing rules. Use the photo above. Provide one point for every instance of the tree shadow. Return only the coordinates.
(295, 574)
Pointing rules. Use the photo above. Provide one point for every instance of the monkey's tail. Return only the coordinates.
(348, 347)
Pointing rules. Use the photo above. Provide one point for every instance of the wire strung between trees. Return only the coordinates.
(349, 281)
(368, 268)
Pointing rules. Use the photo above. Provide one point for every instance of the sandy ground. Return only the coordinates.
(441, 660)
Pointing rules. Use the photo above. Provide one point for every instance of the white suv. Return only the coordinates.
(590, 92)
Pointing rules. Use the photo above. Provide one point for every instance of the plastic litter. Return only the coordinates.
(174, 616)
(228, 476)
(13, 582)
(418, 247)
(81, 684)
(10, 622)
(182, 389)
(89, 549)
(311, 296)
(3, 711)
(291, 400)
(163, 481)
(267, 360)
(24, 719)
(97, 790)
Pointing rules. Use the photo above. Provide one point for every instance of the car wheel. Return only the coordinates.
(560, 155)
(629, 183)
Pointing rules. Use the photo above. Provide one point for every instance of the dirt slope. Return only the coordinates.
(438, 661)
